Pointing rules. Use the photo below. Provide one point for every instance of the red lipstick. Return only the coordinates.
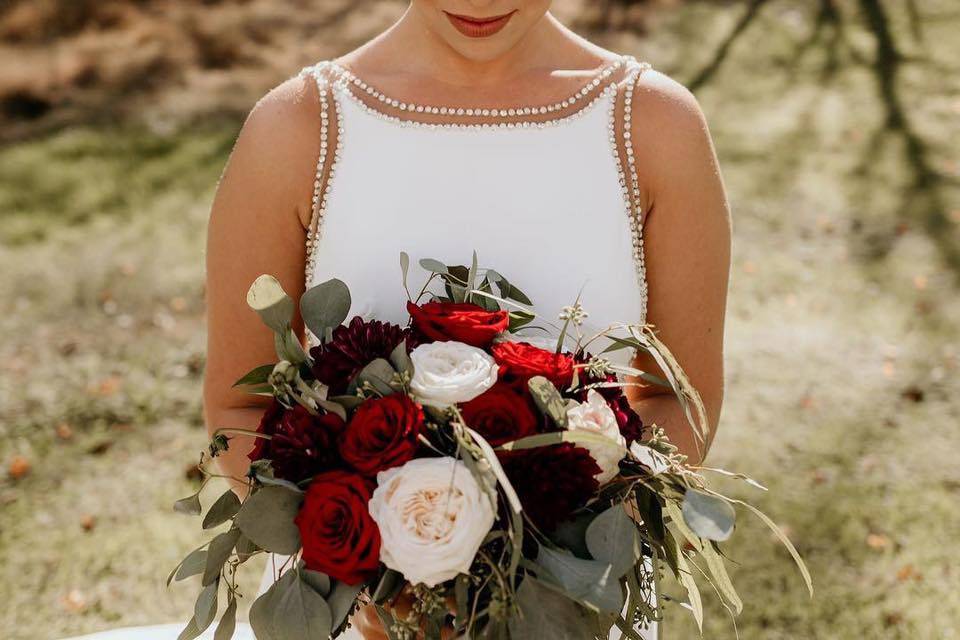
(479, 27)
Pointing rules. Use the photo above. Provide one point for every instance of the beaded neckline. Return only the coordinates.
(354, 84)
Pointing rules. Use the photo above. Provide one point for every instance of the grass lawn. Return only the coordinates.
(843, 344)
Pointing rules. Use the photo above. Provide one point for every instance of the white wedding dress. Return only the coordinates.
(548, 195)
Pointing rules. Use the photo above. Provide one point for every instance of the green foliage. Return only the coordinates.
(325, 306)
(708, 516)
(544, 613)
(548, 400)
(266, 518)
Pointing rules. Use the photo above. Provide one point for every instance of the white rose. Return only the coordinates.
(595, 416)
(445, 373)
(433, 516)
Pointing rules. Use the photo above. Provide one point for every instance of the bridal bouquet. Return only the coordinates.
(499, 484)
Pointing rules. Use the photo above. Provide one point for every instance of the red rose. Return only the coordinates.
(500, 414)
(338, 535)
(520, 361)
(460, 321)
(382, 434)
(302, 445)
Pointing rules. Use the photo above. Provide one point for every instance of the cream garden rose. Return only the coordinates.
(596, 416)
(446, 373)
(433, 516)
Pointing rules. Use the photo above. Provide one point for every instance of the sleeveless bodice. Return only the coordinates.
(544, 201)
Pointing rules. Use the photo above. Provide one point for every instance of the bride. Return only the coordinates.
(474, 124)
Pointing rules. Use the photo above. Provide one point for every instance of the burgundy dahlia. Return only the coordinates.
(302, 445)
(552, 482)
(352, 348)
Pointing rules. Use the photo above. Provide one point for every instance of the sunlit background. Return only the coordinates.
(836, 123)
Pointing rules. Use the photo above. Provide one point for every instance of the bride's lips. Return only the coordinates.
(479, 27)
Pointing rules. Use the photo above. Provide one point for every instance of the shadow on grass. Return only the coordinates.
(922, 200)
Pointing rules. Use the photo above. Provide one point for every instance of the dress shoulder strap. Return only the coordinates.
(622, 145)
(331, 134)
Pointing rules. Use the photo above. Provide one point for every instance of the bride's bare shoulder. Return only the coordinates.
(669, 129)
(276, 151)
(666, 109)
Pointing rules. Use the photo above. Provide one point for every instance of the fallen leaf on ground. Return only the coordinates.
(878, 541)
(19, 467)
(88, 522)
(74, 601)
(909, 572)
(100, 448)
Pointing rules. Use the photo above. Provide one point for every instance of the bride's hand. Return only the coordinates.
(367, 621)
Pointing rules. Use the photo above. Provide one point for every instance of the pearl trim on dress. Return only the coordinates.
(352, 81)
(321, 190)
(345, 80)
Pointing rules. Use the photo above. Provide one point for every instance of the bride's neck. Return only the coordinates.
(411, 47)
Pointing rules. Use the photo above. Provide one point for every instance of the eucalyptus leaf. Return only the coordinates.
(379, 373)
(652, 459)
(267, 297)
(708, 516)
(192, 565)
(191, 631)
(400, 359)
(721, 579)
(316, 580)
(519, 319)
(245, 548)
(404, 267)
(217, 553)
(256, 376)
(435, 266)
(300, 613)
(325, 306)
(677, 522)
(685, 578)
(612, 537)
(544, 613)
(556, 437)
(267, 518)
(222, 510)
(389, 586)
(472, 274)
(341, 600)
(189, 506)
(589, 581)
(276, 482)
(228, 623)
(262, 609)
(205, 609)
(455, 282)
(572, 534)
(548, 400)
(288, 346)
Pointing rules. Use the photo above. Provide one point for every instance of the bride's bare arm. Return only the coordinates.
(687, 245)
(257, 226)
